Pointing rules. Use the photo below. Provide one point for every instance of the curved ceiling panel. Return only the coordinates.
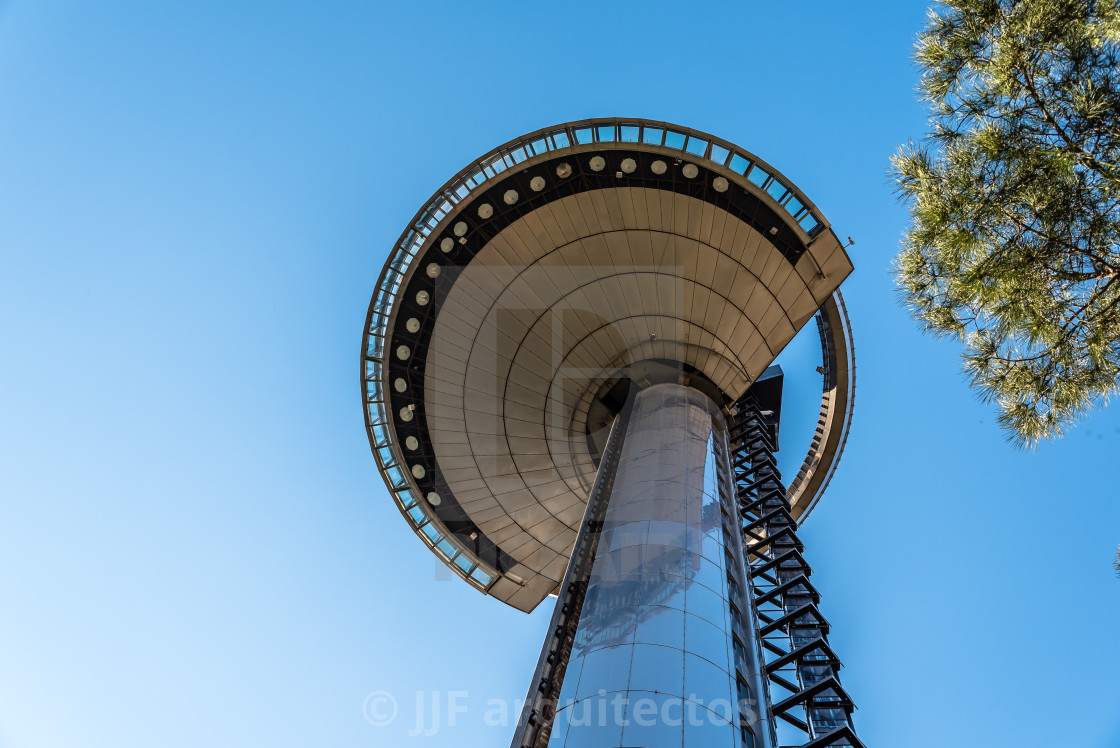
(537, 278)
(556, 303)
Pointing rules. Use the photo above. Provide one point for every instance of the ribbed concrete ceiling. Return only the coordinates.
(560, 300)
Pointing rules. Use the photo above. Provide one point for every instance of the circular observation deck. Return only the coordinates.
(544, 280)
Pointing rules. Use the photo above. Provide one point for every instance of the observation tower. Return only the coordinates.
(569, 389)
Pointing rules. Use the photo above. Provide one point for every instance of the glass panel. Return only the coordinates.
(481, 577)
(446, 547)
(809, 223)
(675, 139)
(611, 623)
(739, 653)
(585, 135)
(719, 154)
(585, 729)
(571, 680)
(737, 619)
(660, 625)
(652, 135)
(758, 175)
(712, 546)
(802, 636)
(396, 477)
(606, 133)
(632, 533)
(663, 590)
(777, 190)
(605, 669)
(475, 177)
(710, 575)
(653, 721)
(696, 146)
(707, 641)
(668, 534)
(405, 499)
(666, 510)
(744, 695)
(431, 533)
(828, 719)
(811, 674)
(657, 669)
(705, 603)
(630, 133)
(739, 164)
(380, 434)
(709, 731)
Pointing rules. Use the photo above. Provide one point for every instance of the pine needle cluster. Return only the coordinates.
(1014, 240)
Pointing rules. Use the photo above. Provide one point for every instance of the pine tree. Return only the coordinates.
(1014, 241)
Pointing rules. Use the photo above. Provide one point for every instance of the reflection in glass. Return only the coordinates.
(654, 632)
(707, 641)
(606, 669)
(661, 625)
(658, 669)
(701, 677)
(653, 721)
(587, 731)
(709, 734)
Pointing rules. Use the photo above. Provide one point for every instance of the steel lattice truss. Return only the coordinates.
(793, 632)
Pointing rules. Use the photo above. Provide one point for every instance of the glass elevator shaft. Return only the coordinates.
(659, 649)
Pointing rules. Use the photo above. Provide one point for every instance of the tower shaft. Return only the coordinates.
(687, 617)
(662, 650)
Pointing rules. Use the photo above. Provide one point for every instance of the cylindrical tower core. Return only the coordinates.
(664, 652)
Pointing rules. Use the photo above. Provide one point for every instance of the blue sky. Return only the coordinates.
(195, 547)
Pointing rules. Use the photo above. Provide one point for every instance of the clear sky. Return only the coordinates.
(195, 546)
